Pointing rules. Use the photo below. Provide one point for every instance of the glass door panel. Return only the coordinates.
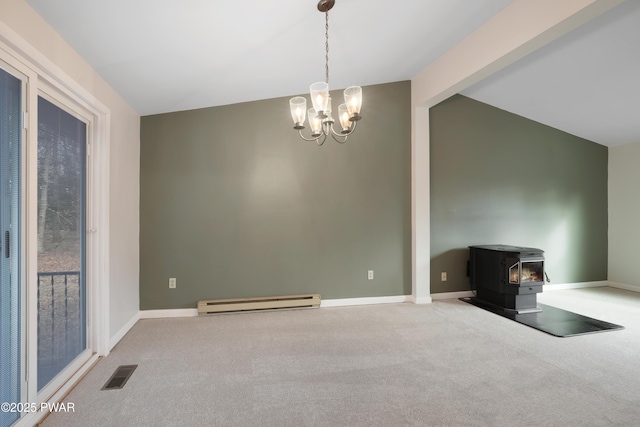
(10, 230)
(514, 274)
(532, 271)
(62, 315)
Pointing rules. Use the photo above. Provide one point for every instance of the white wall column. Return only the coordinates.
(420, 206)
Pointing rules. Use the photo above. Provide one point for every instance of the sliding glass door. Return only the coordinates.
(51, 323)
(11, 135)
(62, 291)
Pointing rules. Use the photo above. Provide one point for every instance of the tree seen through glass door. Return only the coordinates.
(62, 333)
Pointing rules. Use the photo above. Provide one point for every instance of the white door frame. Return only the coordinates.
(43, 75)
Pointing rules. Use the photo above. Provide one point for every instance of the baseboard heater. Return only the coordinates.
(258, 303)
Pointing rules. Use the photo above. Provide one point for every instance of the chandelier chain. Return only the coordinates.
(326, 34)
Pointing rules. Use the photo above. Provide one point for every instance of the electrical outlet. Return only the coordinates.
(172, 283)
(443, 276)
(370, 275)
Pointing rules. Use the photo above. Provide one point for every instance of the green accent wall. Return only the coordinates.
(234, 204)
(498, 178)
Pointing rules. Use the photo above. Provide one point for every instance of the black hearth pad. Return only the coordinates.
(552, 320)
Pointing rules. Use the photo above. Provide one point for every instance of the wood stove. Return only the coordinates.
(507, 276)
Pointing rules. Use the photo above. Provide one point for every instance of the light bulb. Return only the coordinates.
(343, 115)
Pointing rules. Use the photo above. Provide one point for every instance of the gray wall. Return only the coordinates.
(234, 204)
(624, 214)
(500, 178)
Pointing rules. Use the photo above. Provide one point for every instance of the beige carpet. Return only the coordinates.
(447, 363)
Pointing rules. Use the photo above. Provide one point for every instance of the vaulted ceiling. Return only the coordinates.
(171, 55)
(586, 83)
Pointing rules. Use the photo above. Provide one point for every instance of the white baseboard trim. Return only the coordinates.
(452, 295)
(364, 301)
(161, 314)
(632, 288)
(546, 287)
(344, 302)
(579, 285)
(193, 312)
(122, 332)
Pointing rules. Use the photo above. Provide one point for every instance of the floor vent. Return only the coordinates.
(119, 377)
(258, 303)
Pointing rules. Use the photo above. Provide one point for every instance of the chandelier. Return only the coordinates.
(320, 119)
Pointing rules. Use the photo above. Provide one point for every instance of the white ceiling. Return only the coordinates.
(586, 83)
(171, 55)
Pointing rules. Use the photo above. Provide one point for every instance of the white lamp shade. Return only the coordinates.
(314, 121)
(319, 95)
(353, 99)
(298, 107)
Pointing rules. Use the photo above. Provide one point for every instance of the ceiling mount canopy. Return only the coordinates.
(325, 5)
(320, 119)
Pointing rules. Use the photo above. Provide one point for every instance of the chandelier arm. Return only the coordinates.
(355, 125)
(321, 139)
(307, 139)
(345, 134)
(336, 138)
(333, 132)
